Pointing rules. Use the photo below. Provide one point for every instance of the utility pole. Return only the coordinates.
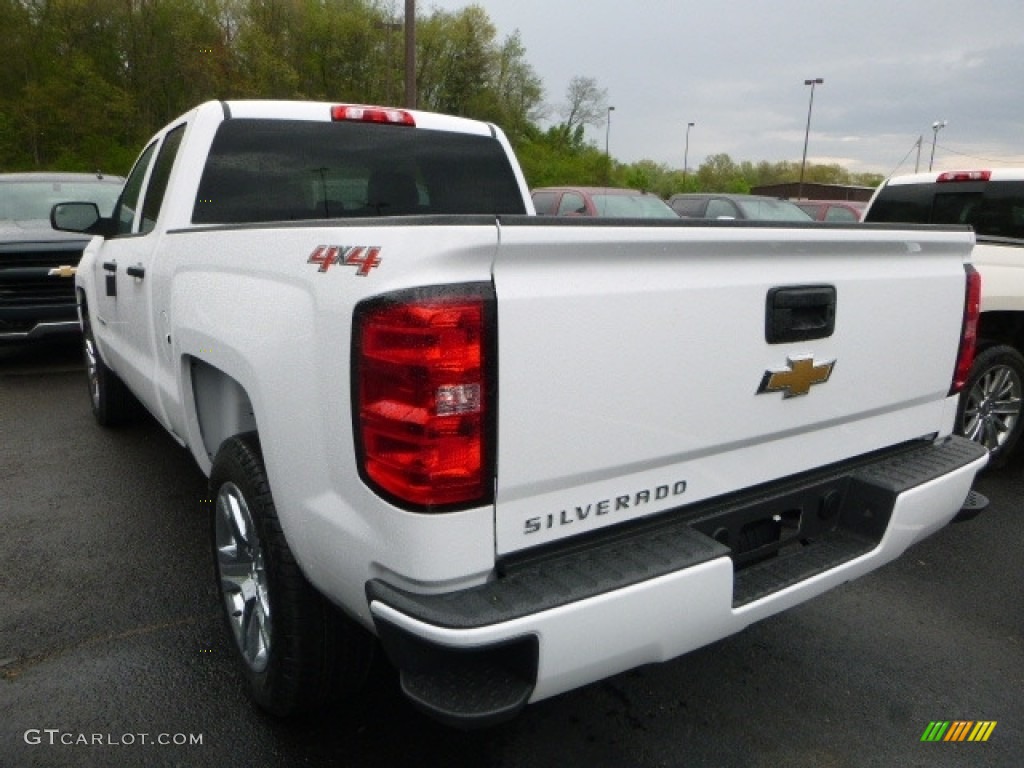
(936, 127)
(410, 54)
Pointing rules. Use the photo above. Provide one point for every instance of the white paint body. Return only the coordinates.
(628, 359)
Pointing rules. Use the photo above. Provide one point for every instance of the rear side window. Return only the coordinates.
(993, 209)
(544, 202)
(721, 209)
(838, 213)
(280, 170)
(572, 203)
(689, 207)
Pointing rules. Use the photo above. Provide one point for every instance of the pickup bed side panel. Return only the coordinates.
(248, 303)
(1002, 276)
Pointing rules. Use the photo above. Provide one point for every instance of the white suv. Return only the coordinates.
(992, 203)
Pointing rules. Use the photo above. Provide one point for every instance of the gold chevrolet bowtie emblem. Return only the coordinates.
(797, 379)
(63, 271)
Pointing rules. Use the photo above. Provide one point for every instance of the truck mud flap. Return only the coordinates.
(776, 536)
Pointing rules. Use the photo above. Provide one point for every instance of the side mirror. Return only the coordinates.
(77, 217)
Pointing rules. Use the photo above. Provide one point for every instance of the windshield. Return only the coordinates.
(633, 207)
(32, 200)
(773, 210)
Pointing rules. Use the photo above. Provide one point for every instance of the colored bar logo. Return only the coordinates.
(958, 730)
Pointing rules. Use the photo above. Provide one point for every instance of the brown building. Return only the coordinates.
(816, 191)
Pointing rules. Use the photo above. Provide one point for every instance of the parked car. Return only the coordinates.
(832, 210)
(600, 201)
(742, 207)
(992, 203)
(37, 263)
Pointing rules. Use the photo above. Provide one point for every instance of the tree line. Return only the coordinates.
(86, 82)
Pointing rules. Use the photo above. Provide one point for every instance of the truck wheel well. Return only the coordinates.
(223, 407)
(1001, 328)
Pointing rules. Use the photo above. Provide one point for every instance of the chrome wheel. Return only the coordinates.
(243, 577)
(993, 407)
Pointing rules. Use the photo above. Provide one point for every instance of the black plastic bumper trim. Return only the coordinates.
(837, 514)
(671, 543)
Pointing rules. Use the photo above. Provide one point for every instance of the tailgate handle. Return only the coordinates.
(800, 313)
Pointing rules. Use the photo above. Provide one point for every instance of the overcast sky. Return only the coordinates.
(736, 69)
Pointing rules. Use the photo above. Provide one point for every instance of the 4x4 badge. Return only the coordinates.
(798, 378)
(363, 257)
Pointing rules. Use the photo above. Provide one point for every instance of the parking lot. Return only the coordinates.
(112, 649)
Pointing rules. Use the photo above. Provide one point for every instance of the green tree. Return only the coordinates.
(719, 173)
(85, 82)
(454, 65)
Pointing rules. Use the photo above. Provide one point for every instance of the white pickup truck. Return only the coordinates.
(522, 453)
(991, 202)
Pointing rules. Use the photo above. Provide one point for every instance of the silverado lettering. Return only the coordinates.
(603, 507)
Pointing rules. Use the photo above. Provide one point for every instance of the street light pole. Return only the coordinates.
(607, 140)
(936, 127)
(807, 134)
(686, 153)
(608, 131)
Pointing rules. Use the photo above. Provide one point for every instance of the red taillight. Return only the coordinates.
(362, 114)
(969, 333)
(422, 400)
(964, 176)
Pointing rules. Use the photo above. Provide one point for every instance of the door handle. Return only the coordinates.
(800, 313)
(139, 272)
(110, 266)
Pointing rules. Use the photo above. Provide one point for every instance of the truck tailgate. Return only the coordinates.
(638, 375)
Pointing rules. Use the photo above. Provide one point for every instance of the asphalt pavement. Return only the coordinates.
(112, 650)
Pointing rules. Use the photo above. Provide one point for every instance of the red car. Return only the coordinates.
(600, 201)
(833, 210)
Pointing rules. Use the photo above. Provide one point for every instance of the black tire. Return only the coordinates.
(989, 411)
(111, 401)
(298, 652)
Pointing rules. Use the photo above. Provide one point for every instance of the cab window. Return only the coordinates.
(261, 170)
(158, 180)
(128, 205)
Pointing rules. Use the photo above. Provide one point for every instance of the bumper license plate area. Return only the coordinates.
(768, 527)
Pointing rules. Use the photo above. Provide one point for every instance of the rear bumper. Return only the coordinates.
(571, 616)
